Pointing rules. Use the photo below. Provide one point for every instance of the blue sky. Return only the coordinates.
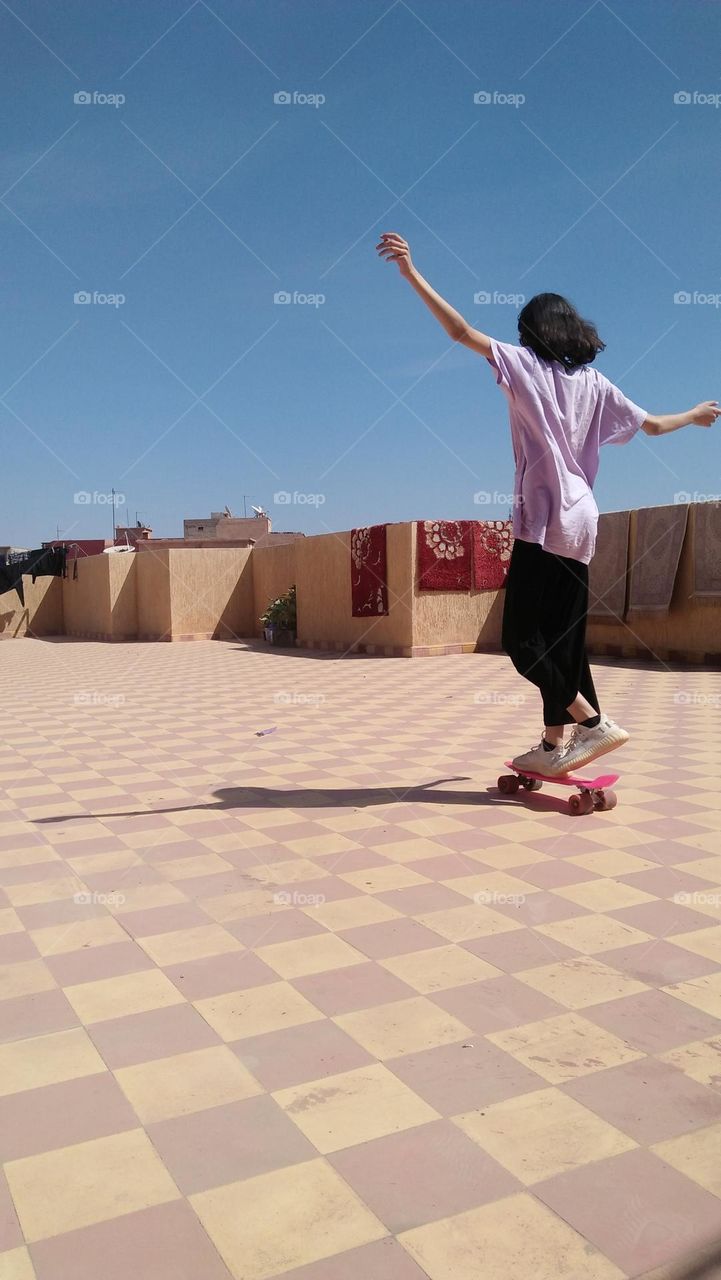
(199, 198)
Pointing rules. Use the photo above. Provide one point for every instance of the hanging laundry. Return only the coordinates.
(42, 562)
(369, 572)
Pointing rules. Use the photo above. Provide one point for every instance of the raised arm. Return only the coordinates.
(394, 248)
(703, 415)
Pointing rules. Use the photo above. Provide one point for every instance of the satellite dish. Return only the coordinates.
(259, 511)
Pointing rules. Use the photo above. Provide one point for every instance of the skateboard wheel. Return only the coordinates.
(581, 804)
(508, 784)
(606, 800)
(532, 784)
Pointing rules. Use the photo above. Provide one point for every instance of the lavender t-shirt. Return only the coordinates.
(559, 420)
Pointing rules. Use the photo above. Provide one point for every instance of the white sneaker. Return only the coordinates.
(538, 760)
(585, 744)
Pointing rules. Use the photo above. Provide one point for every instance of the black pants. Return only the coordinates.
(544, 627)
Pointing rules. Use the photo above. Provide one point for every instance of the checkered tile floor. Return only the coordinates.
(322, 1003)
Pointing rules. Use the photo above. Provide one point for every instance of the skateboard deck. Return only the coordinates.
(567, 779)
(593, 793)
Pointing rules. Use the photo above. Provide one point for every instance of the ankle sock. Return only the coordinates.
(549, 746)
(593, 722)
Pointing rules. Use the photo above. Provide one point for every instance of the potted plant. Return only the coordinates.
(279, 621)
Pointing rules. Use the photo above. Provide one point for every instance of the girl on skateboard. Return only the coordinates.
(561, 411)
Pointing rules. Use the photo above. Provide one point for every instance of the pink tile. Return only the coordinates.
(37, 1015)
(357, 987)
(41, 915)
(444, 867)
(496, 1004)
(425, 1173)
(665, 882)
(654, 1021)
(163, 1243)
(382, 1260)
(152, 920)
(539, 908)
(158, 1033)
(635, 1208)
(662, 919)
(521, 949)
(278, 926)
(419, 898)
(61, 1115)
(91, 963)
(555, 874)
(392, 938)
(658, 963)
(34, 873)
(465, 1077)
(17, 946)
(649, 1100)
(11, 1237)
(216, 975)
(296, 1054)
(349, 860)
(225, 1144)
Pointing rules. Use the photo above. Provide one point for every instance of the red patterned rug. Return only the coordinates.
(463, 555)
(369, 571)
(492, 546)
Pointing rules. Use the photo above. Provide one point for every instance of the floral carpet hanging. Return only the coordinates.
(463, 555)
(369, 571)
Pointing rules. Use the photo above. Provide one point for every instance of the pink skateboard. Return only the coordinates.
(593, 793)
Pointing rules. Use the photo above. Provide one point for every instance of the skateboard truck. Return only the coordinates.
(593, 793)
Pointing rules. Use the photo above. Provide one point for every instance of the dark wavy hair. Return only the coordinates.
(551, 326)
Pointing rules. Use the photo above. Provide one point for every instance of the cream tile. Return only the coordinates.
(439, 968)
(25, 978)
(404, 1026)
(612, 862)
(491, 887)
(239, 906)
(31, 1064)
(517, 1238)
(316, 954)
(590, 934)
(603, 895)
(540, 1134)
(10, 921)
(189, 944)
(384, 878)
(273, 1223)
(703, 942)
(703, 993)
(119, 997)
(564, 1047)
(27, 895)
(353, 1107)
(411, 850)
(580, 982)
(15, 1264)
(510, 855)
(696, 1155)
(186, 1082)
(459, 924)
(705, 868)
(700, 1060)
(351, 913)
(257, 1010)
(201, 864)
(294, 871)
(146, 896)
(57, 939)
(91, 1182)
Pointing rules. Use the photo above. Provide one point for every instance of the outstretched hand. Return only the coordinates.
(706, 413)
(394, 248)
